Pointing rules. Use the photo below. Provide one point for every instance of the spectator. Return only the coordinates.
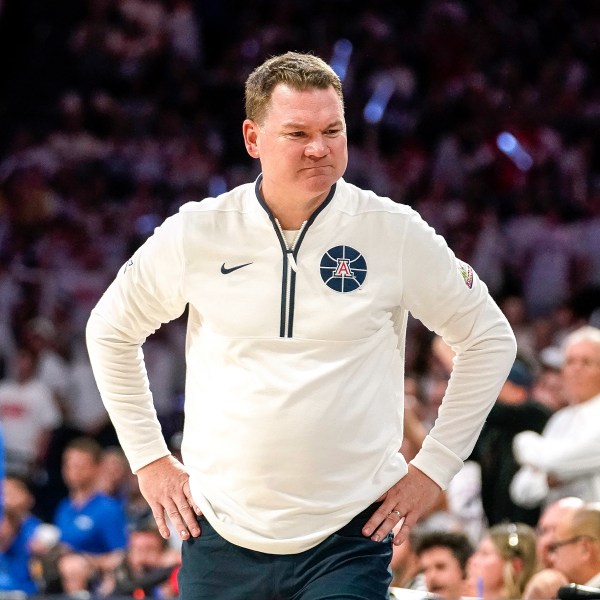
(565, 459)
(576, 549)
(557, 512)
(28, 414)
(52, 368)
(19, 499)
(90, 521)
(405, 567)
(147, 566)
(443, 560)
(503, 562)
(114, 476)
(14, 556)
(76, 573)
(545, 583)
(513, 412)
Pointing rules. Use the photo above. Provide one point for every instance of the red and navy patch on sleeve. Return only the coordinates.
(466, 272)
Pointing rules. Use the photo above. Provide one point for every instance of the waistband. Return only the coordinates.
(354, 527)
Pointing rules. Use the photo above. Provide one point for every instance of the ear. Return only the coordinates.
(517, 565)
(251, 131)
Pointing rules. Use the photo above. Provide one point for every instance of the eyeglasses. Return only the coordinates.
(554, 546)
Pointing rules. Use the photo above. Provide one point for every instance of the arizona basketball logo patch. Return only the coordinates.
(343, 269)
(466, 272)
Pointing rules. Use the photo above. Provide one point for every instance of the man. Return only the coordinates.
(147, 565)
(514, 412)
(14, 556)
(90, 522)
(565, 459)
(28, 414)
(443, 557)
(557, 512)
(576, 549)
(298, 288)
(545, 583)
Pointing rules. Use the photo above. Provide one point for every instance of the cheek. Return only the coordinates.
(493, 572)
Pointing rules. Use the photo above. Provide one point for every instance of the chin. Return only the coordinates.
(319, 184)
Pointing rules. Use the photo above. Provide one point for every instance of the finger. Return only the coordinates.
(392, 519)
(188, 515)
(380, 524)
(183, 519)
(404, 531)
(190, 499)
(159, 517)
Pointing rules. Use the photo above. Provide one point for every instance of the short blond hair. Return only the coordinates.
(298, 71)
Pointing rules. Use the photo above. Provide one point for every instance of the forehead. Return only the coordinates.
(312, 105)
(438, 554)
(551, 516)
(585, 348)
(562, 528)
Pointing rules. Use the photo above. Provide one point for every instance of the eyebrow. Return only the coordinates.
(293, 125)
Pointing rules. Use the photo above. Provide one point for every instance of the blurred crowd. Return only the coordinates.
(481, 115)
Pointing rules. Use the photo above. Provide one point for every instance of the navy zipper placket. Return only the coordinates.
(290, 260)
(290, 267)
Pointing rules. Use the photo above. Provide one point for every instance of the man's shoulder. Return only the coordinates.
(359, 201)
(234, 199)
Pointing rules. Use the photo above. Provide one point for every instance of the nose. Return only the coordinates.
(317, 146)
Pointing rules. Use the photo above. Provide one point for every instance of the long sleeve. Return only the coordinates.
(569, 447)
(458, 307)
(145, 294)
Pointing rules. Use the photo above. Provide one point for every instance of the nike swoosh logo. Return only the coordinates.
(225, 270)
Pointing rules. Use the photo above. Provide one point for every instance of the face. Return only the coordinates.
(301, 144)
(549, 390)
(566, 556)
(550, 519)
(75, 573)
(443, 575)
(145, 551)
(79, 469)
(485, 569)
(17, 497)
(112, 473)
(581, 370)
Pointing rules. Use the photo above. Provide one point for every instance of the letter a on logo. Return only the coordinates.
(343, 268)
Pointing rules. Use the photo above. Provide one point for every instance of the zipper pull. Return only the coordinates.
(292, 260)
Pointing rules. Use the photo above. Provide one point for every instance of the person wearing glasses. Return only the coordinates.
(576, 548)
(555, 513)
(504, 562)
(545, 583)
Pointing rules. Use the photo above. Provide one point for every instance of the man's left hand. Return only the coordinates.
(408, 499)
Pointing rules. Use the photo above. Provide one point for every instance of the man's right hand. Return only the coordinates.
(165, 485)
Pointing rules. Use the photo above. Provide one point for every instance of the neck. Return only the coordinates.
(291, 213)
(586, 572)
(83, 495)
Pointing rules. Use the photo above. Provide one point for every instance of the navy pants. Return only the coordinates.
(346, 566)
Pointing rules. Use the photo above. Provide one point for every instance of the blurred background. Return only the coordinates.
(483, 115)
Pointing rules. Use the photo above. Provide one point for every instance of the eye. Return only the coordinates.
(296, 134)
(332, 132)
